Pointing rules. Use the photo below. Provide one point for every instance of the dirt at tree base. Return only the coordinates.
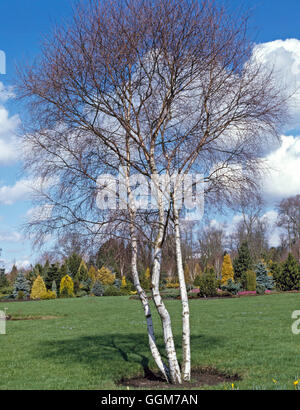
(200, 377)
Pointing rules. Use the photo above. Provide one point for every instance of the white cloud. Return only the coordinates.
(12, 236)
(6, 92)
(283, 56)
(274, 231)
(21, 264)
(282, 179)
(17, 192)
(23, 189)
(9, 151)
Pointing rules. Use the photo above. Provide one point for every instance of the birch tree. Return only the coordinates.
(157, 88)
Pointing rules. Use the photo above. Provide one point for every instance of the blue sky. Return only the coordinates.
(23, 23)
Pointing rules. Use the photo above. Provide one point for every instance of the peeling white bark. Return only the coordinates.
(175, 374)
(186, 343)
(141, 292)
(145, 302)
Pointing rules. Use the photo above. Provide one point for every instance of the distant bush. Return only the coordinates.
(172, 285)
(85, 287)
(232, 287)
(260, 289)
(112, 291)
(117, 283)
(197, 280)
(97, 289)
(8, 290)
(21, 295)
(81, 293)
(208, 285)
(249, 280)
(126, 286)
(48, 294)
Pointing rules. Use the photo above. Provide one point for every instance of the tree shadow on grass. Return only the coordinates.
(116, 352)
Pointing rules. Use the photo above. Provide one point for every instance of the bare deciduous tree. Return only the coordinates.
(154, 87)
(289, 221)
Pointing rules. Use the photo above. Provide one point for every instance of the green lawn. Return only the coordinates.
(96, 341)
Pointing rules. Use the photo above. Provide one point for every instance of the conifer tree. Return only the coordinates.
(73, 263)
(289, 276)
(13, 275)
(242, 262)
(21, 287)
(31, 277)
(263, 279)
(66, 287)
(250, 280)
(92, 273)
(276, 272)
(45, 269)
(227, 269)
(105, 276)
(3, 279)
(82, 273)
(38, 288)
(81, 276)
(64, 270)
(53, 273)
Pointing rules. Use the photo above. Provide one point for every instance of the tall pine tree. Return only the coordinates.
(53, 274)
(242, 262)
(289, 277)
(73, 263)
(3, 279)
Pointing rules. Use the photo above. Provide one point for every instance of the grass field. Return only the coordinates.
(96, 341)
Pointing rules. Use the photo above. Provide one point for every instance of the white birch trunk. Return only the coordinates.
(142, 294)
(175, 375)
(145, 302)
(186, 343)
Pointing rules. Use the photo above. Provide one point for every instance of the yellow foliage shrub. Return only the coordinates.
(172, 285)
(66, 287)
(227, 269)
(105, 276)
(48, 294)
(124, 283)
(148, 274)
(38, 288)
(92, 273)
